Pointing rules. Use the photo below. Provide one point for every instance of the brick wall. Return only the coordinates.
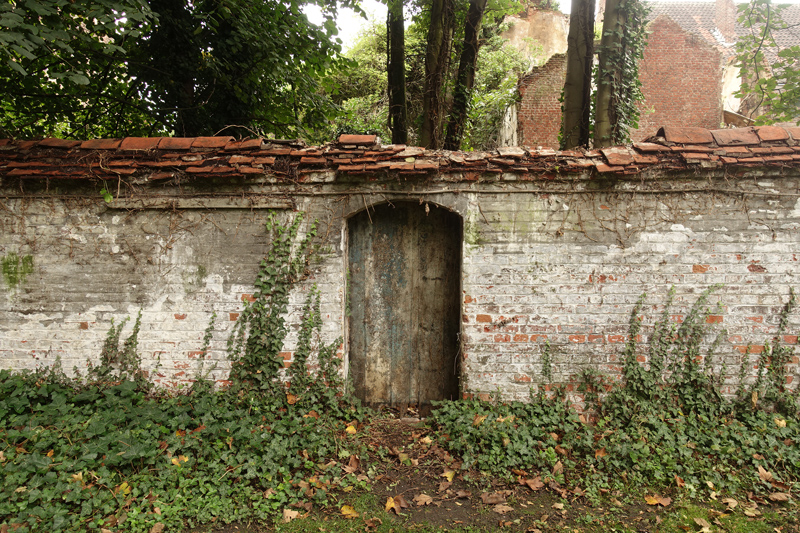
(542, 262)
(681, 77)
(539, 108)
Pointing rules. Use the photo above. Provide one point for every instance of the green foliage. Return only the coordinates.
(257, 338)
(665, 425)
(16, 269)
(112, 68)
(770, 75)
(120, 363)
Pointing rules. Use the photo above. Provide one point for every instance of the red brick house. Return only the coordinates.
(688, 73)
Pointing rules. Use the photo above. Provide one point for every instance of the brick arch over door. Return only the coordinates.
(404, 263)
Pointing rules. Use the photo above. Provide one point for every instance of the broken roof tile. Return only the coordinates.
(687, 135)
(617, 156)
(650, 147)
(735, 136)
(511, 151)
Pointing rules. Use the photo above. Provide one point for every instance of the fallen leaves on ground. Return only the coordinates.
(533, 483)
(705, 527)
(422, 499)
(495, 497)
(779, 497)
(289, 515)
(349, 512)
(502, 509)
(655, 499)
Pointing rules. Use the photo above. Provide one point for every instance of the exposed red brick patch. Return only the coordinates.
(596, 338)
(790, 339)
(617, 338)
(233, 316)
(577, 338)
(714, 319)
(756, 319)
(196, 354)
(700, 269)
(521, 337)
(483, 318)
(83, 325)
(756, 268)
(248, 298)
(180, 316)
(522, 378)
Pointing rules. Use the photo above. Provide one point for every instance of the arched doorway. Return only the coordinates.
(404, 262)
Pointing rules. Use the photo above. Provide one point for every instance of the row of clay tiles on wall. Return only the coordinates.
(158, 158)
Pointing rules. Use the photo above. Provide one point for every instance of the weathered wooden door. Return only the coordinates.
(404, 297)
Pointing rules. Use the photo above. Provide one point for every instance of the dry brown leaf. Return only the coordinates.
(730, 502)
(560, 450)
(157, 528)
(559, 506)
(373, 523)
(655, 499)
(401, 502)
(779, 497)
(704, 525)
(600, 453)
(558, 468)
(422, 499)
(780, 422)
(534, 483)
(463, 494)
(493, 498)
(679, 481)
(348, 512)
(751, 512)
(444, 485)
(502, 509)
(449, 475)
(291, 399)
(478, 420)
(353, 465)
(763, 474)
(289, 515)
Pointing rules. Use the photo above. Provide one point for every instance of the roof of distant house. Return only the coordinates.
(700, 18)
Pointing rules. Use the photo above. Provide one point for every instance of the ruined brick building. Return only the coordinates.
(688, 73)
(445, 273)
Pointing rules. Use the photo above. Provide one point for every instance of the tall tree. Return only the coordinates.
(618, 85)
(396, 69)
(437, 62)
(195, 68)
(576, 122)
(465, 77)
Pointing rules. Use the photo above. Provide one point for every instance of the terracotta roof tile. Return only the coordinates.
(211, 142)
(163, 158)
(176, 143)
(771, 133)
(57, 143)
(735, 137)
(139, 143)
(686, 135)
(100, 144)
(358, 139)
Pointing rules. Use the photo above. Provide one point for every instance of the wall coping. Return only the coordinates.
(157, 159)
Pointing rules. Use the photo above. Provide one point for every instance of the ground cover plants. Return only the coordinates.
(661, 449)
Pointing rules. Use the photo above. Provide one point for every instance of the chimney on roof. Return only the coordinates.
(725, 19)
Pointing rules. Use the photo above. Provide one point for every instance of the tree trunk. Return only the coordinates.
(605, 118)
(436, 63)
(396, 67)
(465, 79)
(578, 85)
